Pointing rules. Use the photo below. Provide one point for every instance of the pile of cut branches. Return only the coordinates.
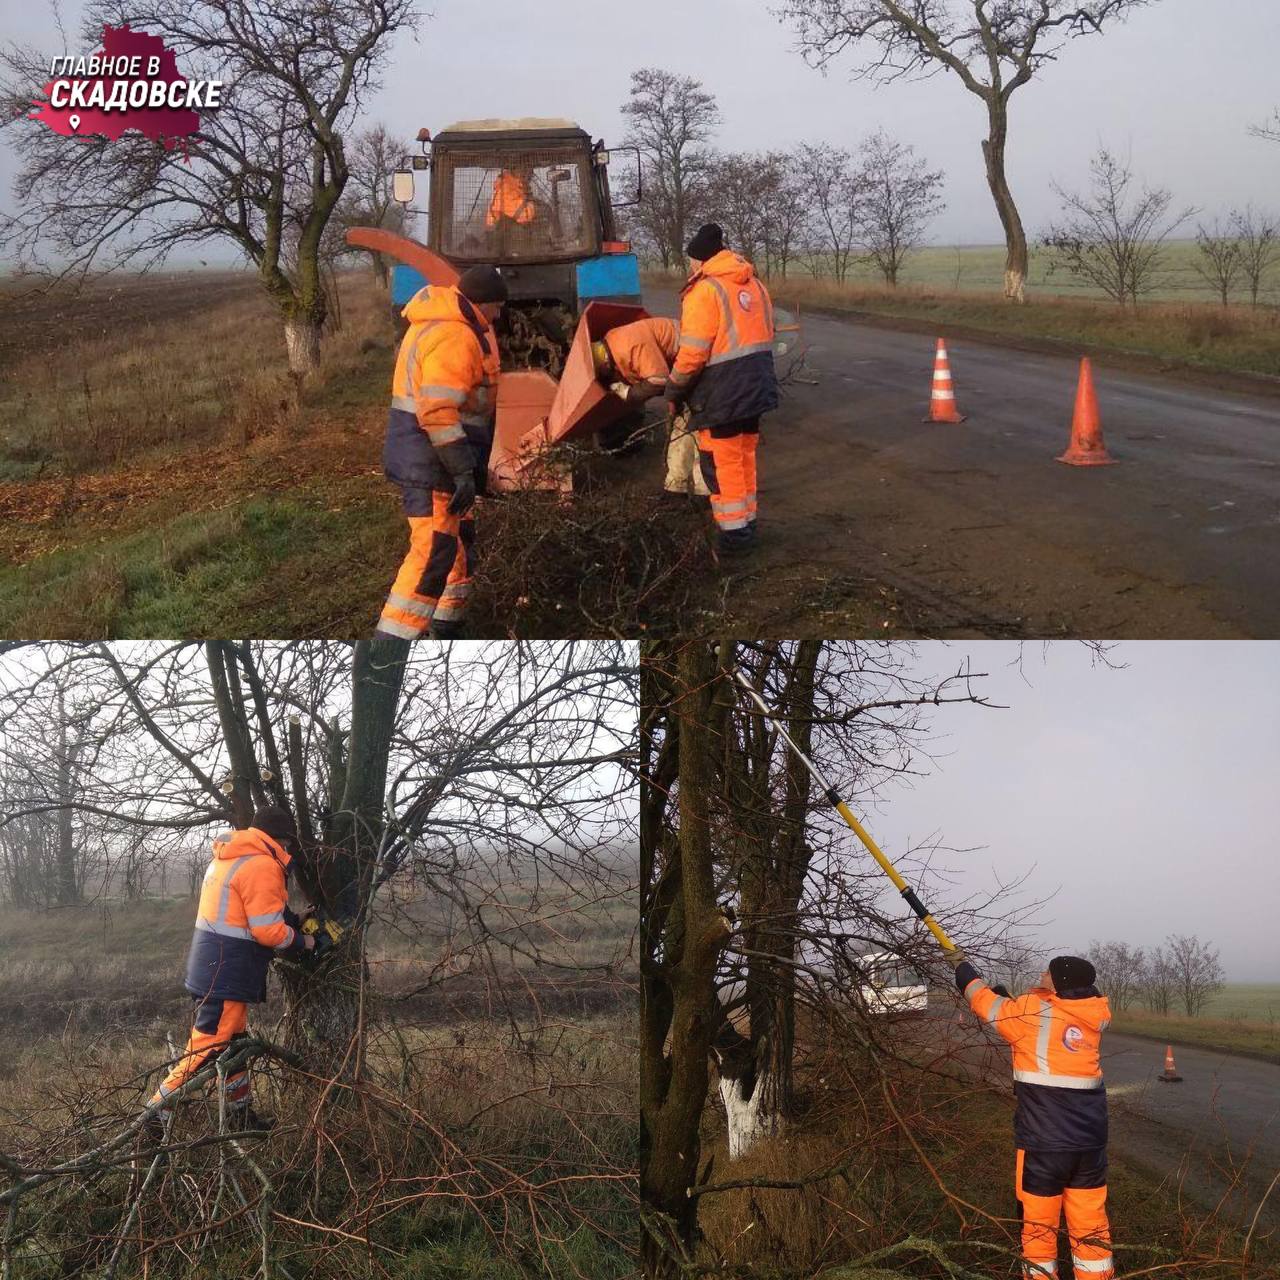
(607, 561)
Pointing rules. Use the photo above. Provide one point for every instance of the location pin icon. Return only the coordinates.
(74, 121)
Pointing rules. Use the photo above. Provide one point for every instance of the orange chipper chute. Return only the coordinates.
(432, 267)
(535, 411)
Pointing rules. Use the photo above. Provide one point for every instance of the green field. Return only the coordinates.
(960, 268)
(1244, 1017)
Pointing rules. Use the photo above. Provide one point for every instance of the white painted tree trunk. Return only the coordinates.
(1015, 286)
(750, 1119)
(302, 341)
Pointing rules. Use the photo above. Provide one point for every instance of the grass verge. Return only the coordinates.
(1248, 1037)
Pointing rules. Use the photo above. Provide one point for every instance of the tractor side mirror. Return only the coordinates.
(402, 186)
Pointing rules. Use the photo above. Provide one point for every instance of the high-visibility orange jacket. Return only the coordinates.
(510, 200)
(725, 357)
(442, 393)
(1057, 1073)
(643, 350)
(243, 918)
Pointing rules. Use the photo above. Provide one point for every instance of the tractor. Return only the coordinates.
(530, 197)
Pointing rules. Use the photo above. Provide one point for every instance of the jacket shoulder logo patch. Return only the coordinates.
(744, 299)
(1072, 1038)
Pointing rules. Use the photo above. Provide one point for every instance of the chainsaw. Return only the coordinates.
(327, 932)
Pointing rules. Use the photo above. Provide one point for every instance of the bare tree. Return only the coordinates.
(1113, 237)
(265, 172)
(367, 201)
(1219, 264)
(672, 118)
(1258, 236)
(784, 914)
(1197, 971)
(835, 191)
(1159, 978)
(738, 189)
(1120, 971)
(899, 196)
(1269, 129)
(787, 210)
(994, 49)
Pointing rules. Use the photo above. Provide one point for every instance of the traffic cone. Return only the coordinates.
(1086, 448)
(1170, 1074)
(942, 404)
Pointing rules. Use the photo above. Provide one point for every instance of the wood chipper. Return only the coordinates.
(530, 197)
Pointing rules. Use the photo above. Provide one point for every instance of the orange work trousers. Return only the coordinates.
(729, 468)
(1045, 1192)
(435, 577)
(217, 1023)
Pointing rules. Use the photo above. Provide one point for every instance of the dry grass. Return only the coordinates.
(114, 392)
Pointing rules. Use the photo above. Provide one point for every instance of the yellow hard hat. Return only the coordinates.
(601, 358)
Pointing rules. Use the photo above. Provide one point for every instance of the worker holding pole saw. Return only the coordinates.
(1055, 1032)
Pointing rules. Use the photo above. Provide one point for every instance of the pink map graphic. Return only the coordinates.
(164, 124)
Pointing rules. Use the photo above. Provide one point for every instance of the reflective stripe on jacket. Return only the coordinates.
(643, 350)
(1056, 1040)
(443, 391)
(725, 355)
(242, 920)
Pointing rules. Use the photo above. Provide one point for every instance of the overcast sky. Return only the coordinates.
(1146, 797)
(1177, 86)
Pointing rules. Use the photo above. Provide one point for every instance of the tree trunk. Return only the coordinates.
(322, 1000)
(750, 1118)
(685, 934)
(302, 341)
(993, 152)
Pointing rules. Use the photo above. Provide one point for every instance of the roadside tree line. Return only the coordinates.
(823, 207)
(1181, 973)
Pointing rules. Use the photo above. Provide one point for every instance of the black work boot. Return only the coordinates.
(241, 1118)
(153, 1129)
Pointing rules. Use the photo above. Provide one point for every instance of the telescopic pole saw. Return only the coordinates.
(833, 798)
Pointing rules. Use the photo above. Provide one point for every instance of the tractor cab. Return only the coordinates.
(531, 197)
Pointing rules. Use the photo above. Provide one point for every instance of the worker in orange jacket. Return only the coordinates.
(724, 373)
(634, 360)
(242, 923)
(439, 434)
(1060, 1124)
(511, 200)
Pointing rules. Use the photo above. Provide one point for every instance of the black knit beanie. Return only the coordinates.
(276, 822)
(707, 243)
(1069, 972)
(483, 284)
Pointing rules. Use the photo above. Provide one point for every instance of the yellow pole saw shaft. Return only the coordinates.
(833, 797)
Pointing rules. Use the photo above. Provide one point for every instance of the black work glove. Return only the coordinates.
(675, 394)
(464, 494)
(1001, 990)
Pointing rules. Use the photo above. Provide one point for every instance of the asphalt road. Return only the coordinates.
(1225, 1109)
(982, 530)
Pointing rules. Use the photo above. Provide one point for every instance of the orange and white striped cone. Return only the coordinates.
(942, 403)
(1170, 1074)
